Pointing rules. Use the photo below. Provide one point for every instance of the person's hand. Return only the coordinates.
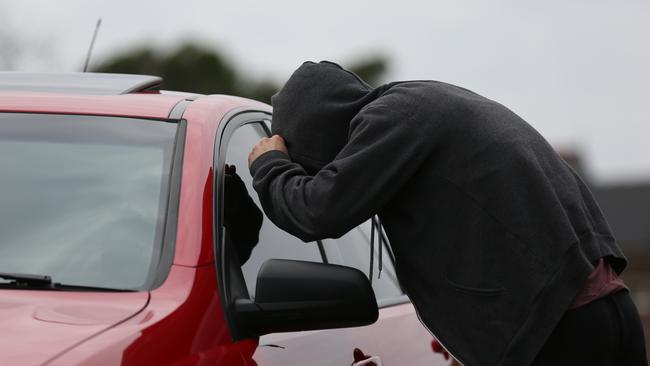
(275, 142)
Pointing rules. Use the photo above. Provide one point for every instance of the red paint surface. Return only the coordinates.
(37, 325)
(182, 321)
(183, 324)
(397, 338)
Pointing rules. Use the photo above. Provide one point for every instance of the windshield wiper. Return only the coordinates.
(42, 282)
(27, 280)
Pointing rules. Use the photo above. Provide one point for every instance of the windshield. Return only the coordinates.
(83, 198)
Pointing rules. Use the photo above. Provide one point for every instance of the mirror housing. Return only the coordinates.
(297, 295)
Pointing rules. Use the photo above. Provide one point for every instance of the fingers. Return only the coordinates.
(275, 142)
(279, 143)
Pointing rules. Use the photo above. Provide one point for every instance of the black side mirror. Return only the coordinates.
(297, 295)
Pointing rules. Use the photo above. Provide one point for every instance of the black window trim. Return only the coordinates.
(159, 272)
(230, 122)
(168, 248)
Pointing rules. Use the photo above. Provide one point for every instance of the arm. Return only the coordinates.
(385, 148)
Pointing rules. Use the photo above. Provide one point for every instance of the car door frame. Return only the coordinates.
(229, 288)
(231, 284)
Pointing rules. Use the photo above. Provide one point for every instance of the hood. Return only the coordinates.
(35, 326)
(312, 111)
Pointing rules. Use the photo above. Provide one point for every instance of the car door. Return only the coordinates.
(397, 338)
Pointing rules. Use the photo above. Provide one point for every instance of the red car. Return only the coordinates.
(113, 249)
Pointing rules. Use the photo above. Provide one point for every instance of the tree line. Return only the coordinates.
(195, 68)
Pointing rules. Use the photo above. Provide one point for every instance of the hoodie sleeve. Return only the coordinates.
(384, 149)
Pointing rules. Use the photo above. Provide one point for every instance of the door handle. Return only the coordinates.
(372, 361)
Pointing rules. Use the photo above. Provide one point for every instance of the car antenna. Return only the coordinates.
(92, 43)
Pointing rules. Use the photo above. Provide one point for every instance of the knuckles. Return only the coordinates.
(275, 142)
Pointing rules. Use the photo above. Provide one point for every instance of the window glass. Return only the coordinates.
(83, 198)
(353, 249)
(273, 242)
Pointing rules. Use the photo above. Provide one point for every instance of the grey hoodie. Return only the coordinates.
(493, 233)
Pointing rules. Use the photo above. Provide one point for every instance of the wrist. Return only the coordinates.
(266, 157)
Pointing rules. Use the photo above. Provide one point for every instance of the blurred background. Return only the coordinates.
(578, 71)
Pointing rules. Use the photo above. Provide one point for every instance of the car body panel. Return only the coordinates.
(183, 324)
(184, 319)
(54, 321)
(397, 338)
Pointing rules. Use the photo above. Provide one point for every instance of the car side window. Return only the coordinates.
(273, 242)
(353, 250)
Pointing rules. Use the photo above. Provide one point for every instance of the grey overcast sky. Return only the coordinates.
(576, 70)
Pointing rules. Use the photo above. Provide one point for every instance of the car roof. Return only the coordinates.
(103, 94)
(87, 93)
(78, 83)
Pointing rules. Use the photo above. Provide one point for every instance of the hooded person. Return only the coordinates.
(495, 237)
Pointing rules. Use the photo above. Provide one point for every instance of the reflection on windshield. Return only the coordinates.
(83, 198)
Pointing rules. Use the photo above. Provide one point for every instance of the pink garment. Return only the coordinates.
(601, 282)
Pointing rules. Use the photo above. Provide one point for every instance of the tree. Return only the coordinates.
(190, 68)
(195, 68)
(370, 69)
